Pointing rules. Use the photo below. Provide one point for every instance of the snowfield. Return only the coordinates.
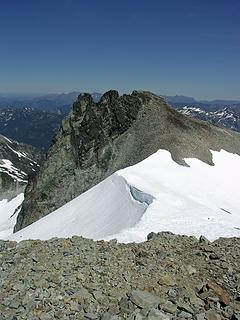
(195, 200)
(8, 216)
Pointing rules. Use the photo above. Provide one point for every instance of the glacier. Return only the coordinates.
(157, 194)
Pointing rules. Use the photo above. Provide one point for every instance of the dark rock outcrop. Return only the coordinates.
(97, 139)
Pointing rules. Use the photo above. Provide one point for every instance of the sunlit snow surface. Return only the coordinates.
(8, 215)
(195, 200)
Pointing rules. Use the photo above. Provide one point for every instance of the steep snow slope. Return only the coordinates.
(195, 200)
(105, 209)
(8, 214)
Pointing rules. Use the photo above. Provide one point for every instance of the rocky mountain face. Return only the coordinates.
(30, 126)
(17, 162)
(226, 117)
(97, 139)
(168, 277)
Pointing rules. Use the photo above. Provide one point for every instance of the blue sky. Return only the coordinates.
(168, 47)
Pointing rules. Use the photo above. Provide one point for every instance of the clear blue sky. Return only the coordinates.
(189, 47)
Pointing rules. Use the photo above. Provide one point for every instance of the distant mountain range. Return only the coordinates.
(31, 126)
(62, 102)
(190, 100)
(50, 102)
(181, 101)
(37, 125)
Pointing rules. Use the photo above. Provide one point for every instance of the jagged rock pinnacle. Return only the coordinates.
(109, 96)
(83, 100)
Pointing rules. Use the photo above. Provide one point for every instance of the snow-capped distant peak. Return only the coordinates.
(224, 117)
(187, 110)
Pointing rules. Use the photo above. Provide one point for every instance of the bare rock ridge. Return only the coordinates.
(96, 139)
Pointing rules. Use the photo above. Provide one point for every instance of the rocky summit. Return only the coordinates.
(97, 139)
(167, 277)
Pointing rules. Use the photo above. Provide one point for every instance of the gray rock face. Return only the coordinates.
(78, 278)
(97, 139)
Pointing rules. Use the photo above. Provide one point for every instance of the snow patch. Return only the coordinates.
(6, 166)
(7, 139)
(20, 154)
(8, 215)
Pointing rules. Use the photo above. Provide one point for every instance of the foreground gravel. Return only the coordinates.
(166, 277)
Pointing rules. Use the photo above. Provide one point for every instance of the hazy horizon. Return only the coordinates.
(29, 95)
